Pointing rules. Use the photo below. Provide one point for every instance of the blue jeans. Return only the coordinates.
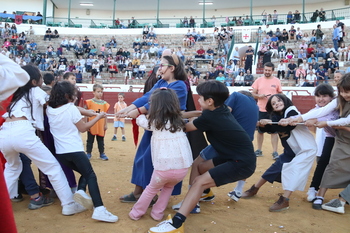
(335, 43)
(27, 176)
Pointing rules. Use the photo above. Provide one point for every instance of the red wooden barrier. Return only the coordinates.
(304, 103)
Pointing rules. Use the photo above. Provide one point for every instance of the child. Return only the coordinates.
(171, 152)
(235, 158)
(24, 112)
(324, 94)
(102, 49)
(293, 166)
(119, 121)
(99, 129)
(337, 172)
(66, 123)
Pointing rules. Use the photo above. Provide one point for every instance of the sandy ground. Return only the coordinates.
(220, 215)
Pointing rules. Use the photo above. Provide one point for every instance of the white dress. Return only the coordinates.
(169, 150)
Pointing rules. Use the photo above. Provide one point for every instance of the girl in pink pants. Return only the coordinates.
(171, 151)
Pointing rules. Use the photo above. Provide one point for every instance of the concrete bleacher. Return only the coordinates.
(171, 37)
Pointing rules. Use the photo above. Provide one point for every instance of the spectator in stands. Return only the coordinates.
(322, 15)
(194, 34)
(291, 68)
(62, 59)
(55, 34)
(336, 36)
(86, 44)
(185, 22)
(48, 34)
(296, 17)
(123, 24)
(310, 79)
(79, 51)
(180, 53)
(290, 54)
(137, 51)
(200, 53)
(71, 66)
(101, 63)
(303, 45)
(263, 49)
(117, 23)
(274, 49)
(281, 69)
(220, 77)
(314, 65)
(112, 42)
(319, 34)
(275, 17)
(235, 56)
(192, 22)
(26, 58)
(65, 43)
(30, 31)
(321, 74)
(300, 71)
(136, 61)
(239, 21)
(49, 50)
(266, 40)
(284, 36)
(333, 65)
(299, 34)
(22, 38)
(248, 79)
(320, 51)
(145, 31)
(342, 51)
(88, 64)
(144, 52)
(161, 49)
(249, 58)
(202, 36)
(289, 17)
(72, 43)
(312, 57)
(152, 34)
(153, 51)
(33, 45)
(142, 70)
(281, 50)
(310, 50)
(292, 33)
(132, 23)
(301, 56)
(239, 79)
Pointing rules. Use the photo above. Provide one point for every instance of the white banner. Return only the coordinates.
(246, 35)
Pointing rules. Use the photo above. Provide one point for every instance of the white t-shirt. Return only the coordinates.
(62, 122)
(22, 108)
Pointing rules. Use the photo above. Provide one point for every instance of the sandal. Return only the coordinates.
(128, 198)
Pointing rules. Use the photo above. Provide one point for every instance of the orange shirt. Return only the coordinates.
(98, 106)
(117, 107)
(266, 86)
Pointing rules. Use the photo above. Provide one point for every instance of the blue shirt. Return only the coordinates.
(178, 86)
(245, 110)
(335, 34)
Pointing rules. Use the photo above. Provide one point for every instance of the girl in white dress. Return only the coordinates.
(171, 152)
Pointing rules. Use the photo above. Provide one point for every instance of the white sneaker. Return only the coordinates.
(102, 214)
(311, 194)
(83, 199)
(72, 208)
(177, 206)
(166, 226)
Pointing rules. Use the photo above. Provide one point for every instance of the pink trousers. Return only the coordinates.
(160, 180)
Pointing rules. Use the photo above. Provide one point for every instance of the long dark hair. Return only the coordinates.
(34, 74)
(287, 103)
(164, 108)
(180, 72)
(343, 85)
(62, 93)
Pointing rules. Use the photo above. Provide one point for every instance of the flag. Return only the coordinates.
(19, 19)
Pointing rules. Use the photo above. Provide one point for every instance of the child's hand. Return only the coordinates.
(321, 124)
(101, 115)
(265, 121)
(294, 121)
(311, 122)
(90, 113)
(284, 122)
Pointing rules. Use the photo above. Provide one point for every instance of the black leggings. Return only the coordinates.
(79, 162)
(322, 162)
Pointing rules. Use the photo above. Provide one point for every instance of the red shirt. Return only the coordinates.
(200, 51)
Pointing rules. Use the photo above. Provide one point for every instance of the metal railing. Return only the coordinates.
(341, 13)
